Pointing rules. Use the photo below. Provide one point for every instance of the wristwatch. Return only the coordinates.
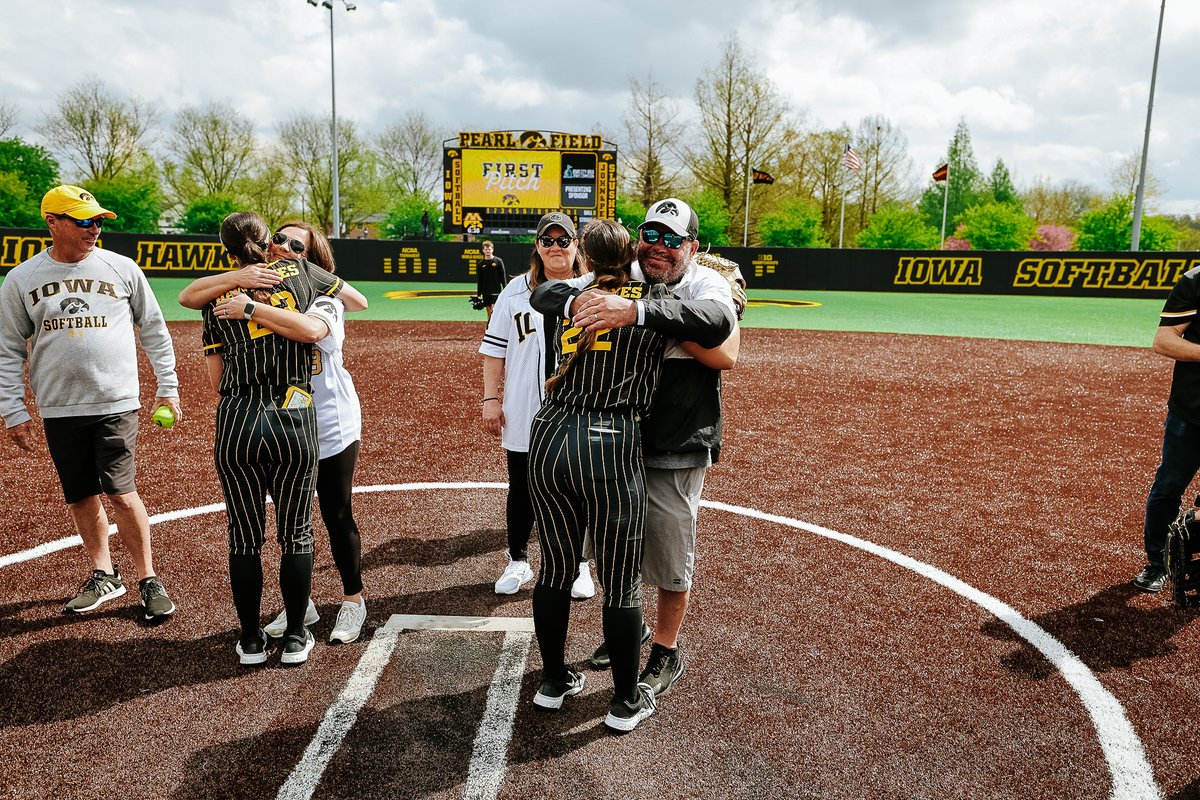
(248, 310)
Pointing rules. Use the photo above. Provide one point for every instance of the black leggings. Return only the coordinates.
(335, 481)
(519, 510)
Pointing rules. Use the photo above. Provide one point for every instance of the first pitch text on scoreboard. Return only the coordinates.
(502, 182)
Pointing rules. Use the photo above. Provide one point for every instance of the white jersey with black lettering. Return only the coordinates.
(339, 416)
(517, 334)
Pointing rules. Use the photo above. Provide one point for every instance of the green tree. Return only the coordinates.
(1110, 227)
(134, 198)
(996, 226)
(26, 173)
(965, 186)
(713, 215)
(796, 223)
(210, 148)
(306, 145)
(898, 226)
(630, 212)
(404, 220)
(1000, 184)
(204, 214)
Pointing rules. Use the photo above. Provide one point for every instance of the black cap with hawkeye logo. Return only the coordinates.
(556, 218)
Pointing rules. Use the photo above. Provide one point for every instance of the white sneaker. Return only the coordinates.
(583, 588)
(516, 575)
(350, 619)
(276, 627)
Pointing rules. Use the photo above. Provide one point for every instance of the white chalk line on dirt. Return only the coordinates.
(1132, 777)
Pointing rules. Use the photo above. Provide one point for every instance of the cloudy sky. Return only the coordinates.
(1056, 88)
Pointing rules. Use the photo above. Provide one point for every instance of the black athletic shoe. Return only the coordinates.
(551, 693)
(600, 659)
(252, 650)
(155, 602)
(624, 716)
(663, 668)
(1151, 579)
(296, 648)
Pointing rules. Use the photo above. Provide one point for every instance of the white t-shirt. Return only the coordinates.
(516, 333)
(339, 417)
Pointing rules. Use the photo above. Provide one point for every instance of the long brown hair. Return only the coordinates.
(319, 252)
(537, 268)
(608, 250)
(244, 235)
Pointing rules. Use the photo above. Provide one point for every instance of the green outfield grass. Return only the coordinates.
(1083, 320)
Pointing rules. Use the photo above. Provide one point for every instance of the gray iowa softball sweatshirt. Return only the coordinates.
(79, 320)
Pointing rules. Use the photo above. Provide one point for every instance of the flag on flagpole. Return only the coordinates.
(942, 173)
(850, 160)
(762, 177)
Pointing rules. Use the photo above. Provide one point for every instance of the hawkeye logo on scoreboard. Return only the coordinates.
(473, 222)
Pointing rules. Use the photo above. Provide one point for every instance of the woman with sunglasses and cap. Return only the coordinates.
(518, 357)
(266, 437)
(339, 417)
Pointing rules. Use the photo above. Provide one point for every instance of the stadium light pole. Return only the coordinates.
(1136, 238)
(337, 210)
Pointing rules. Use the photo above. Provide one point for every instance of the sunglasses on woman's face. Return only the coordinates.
(672, 241)
(295, 245)
(549, 241)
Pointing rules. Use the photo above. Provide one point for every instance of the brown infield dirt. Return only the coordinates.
(814, 669)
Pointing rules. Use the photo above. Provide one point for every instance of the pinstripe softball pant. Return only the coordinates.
(263, 449)
(586, 473)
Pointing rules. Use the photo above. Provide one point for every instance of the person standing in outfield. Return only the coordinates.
(339, 416)
(585, 464)
(77, 306)
(491, 277)
(266, 438)
(681, 435)
(1177, 338)
(518, 354)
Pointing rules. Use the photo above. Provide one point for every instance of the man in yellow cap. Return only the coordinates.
(77, 307)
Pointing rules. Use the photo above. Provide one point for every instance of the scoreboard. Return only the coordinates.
(502, 182)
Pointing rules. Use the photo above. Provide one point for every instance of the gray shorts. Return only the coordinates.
(672, 501)
(93, 454)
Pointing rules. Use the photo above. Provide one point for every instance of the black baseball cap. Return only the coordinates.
(556, 218)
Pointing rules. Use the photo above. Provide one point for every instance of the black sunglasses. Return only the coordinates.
(295, 245)
(97, 222)
(672, 241)
(549, 241)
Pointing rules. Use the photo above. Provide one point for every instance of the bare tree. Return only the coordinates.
(211, 148)
(886, 166)
(306, 146)
(1123, 178)
(1059, 204)
(652, 133)
(100, 133)
(811, 168)
(742, 118)
(410, 155)
(8, 119)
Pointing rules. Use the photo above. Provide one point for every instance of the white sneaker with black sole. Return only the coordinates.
(276, 627)
(350, 619)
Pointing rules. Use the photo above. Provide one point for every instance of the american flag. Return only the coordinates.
(850, 160)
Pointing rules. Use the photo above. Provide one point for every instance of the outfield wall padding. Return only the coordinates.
(1092, 274)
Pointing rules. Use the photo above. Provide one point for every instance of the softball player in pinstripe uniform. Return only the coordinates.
(266, 438)
(585, 471)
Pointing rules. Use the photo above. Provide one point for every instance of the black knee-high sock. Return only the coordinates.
(623, 635)
(295, 584)
(246, 581)
(551, 616)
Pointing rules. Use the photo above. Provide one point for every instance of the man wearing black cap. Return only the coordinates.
(681, 437)
(78, 306)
